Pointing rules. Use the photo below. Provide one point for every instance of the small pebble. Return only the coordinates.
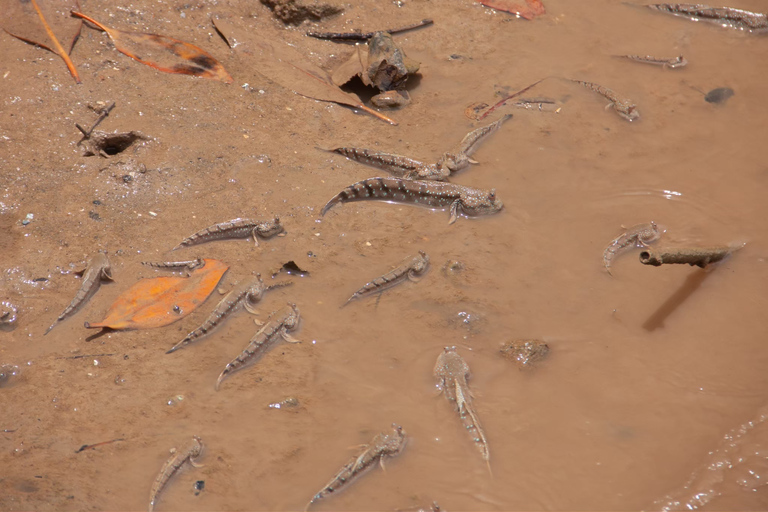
(525, 352)
(719, 95)
(288, 402)
(8, 373)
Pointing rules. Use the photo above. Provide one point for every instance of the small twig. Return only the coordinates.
(502, 102)
(85, 132)
(104, 114)
(698, 256)
(87, 446)
(362, 36)
(86, 355)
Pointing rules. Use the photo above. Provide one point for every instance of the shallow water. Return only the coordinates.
(650, 372)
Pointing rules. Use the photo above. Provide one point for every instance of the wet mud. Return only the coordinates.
(653, 375)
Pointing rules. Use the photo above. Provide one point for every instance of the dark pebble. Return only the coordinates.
(719, 95)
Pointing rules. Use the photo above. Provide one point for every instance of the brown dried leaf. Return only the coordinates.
(284, 65)
(352, 67)
(164, 53)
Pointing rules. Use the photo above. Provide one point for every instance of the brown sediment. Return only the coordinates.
(699, 256)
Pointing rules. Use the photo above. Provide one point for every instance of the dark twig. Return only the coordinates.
(86, 355)
(104, 115)
(362, 36)
(88, 446)
(502, 102)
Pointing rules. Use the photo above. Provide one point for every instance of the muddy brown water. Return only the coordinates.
(654, 391)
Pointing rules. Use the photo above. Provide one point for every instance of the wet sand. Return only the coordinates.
(648, 371)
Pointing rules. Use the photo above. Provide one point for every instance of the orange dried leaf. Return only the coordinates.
(164, 53)
(530, 10)
(160, 301)
(34, 33)
(536, 6)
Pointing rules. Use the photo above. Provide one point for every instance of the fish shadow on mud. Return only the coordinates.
(102, 332)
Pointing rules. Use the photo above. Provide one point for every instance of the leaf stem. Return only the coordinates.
(59, 49)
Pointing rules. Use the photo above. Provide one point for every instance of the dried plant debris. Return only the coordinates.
(288, 67)
(109, 144)
(527, 10)
(164, 53)
(723, 16)
(525, 353)
(103, 110)
(473, 110)
(358, 35)
(383, 65)
(294, 12)
(40, 32)
(160, 301)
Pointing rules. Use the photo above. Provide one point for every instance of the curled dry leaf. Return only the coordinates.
(529, 10)
(160, 301)
(31, 25)
(287, 67)
(164, 53)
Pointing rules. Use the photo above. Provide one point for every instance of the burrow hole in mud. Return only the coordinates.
(111, 144)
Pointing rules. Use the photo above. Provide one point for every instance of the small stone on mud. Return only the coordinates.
(719, 95)
(294, 12)
(283, 404)
(453, 267)
(8, 374)
(8, 315)
(525, 352)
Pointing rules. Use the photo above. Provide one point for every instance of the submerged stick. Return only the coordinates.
(89, 446)
(699, 256)
(362, 36)
(502, 102)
